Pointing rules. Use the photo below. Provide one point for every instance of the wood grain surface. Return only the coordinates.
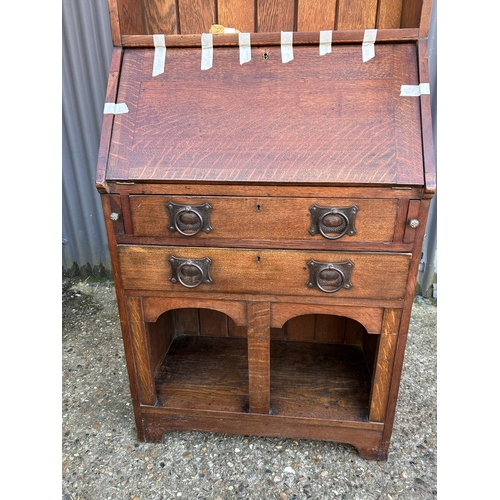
(316, 119)
(375, 275)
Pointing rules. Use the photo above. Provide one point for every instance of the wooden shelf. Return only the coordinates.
(308, 380)
(206, 373)
(316, 380)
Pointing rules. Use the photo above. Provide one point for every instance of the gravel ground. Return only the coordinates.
(102, 459)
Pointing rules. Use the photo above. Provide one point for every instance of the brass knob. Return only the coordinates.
(414, 223)
(114, 216)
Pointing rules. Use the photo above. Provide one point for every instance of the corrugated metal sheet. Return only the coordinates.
(428, 270)
(86, 56)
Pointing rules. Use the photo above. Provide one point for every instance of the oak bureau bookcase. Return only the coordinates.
(266, 169)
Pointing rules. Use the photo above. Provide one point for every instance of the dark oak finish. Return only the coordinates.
(187, 17)
(353, 120)
(242, 332)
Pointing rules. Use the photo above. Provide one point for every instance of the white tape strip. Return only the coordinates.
(286, 46)
(415, 90)
(160, 50)
(110, 108)
(245, 47)
(368, 46)
(207, 50)
(325, 42)
(229, 30)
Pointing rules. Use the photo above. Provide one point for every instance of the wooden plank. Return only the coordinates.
(160, 335)
(239, 15)
(140, 345)
(107, 121)
(330, 329)
(154, 306)
(122, 310)
(425, 18)
(369, 317)
(357, 433)
(275, 15)
(268, 39)
(160, 17)
(354, 332)
(413, 213)
(212, 323)
(356, 14)
(281, 190)
(204, 373)
(130, 15)
(426, 117)
(233, 330)
(187, 321)
(196, 16)
(383, 371)
(389, 14)
(410, 15)
(314, 381)
(114, 22)
(313, 15)
(259, 357)
(301, 328)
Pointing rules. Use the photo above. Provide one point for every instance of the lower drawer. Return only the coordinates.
(283, 272)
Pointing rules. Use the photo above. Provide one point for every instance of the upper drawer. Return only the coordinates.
(361, 275)
(255, 218)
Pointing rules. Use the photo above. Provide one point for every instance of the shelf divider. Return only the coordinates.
(259, 372)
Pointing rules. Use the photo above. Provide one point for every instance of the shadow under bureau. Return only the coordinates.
(265, 223)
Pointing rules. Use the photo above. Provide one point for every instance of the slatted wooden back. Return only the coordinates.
(147, 17)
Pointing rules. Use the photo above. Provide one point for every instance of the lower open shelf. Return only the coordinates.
(311, 380)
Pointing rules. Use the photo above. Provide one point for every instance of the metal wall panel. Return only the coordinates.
(428, 267)
(86, 56)
(86, 52)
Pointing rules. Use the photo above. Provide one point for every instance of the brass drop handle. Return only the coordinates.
(330, 277)
(414, 223)
(190, 273)
(189, 220)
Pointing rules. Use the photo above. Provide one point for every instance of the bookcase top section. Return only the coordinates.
(177, 18)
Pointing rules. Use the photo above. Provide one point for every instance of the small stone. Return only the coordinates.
(324, 473)
(289, 470)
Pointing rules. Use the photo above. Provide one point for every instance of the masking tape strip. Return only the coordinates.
(110, 108)
(415, 90)
(368, 47)
(325, 42)
(286, 46)
(207, 50)
(245, 47)
(160, 51)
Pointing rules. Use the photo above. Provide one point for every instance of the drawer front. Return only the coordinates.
(281, 272)
(255, 218)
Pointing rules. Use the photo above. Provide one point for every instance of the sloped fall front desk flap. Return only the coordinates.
(315, 119)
